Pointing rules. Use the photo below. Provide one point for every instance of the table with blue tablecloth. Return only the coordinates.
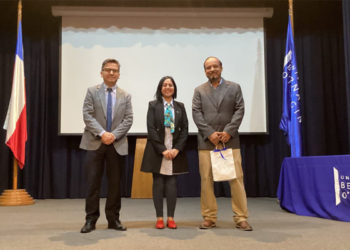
(316, 186)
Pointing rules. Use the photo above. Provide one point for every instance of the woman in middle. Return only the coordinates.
(164, 156)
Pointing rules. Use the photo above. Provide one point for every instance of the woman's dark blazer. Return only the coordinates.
(152, 158)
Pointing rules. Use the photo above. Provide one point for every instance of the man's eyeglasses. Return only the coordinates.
(108, 70)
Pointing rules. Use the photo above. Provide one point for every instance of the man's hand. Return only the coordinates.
(214, 138)
(224, 136)
(107, 138)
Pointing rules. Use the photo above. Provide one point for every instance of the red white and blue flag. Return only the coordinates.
(16, 119)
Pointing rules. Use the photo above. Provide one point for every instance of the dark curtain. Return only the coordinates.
(321, 67)
(346, 20)
(8, 24)
(54, 164)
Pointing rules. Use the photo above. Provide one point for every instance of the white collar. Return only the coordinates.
(113, 88)
(165, 102)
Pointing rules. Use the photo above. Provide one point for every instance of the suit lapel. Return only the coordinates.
(102, 96)
(222, 90)
(119, 96)
(160, 113)
(209, 90)
(177, 112)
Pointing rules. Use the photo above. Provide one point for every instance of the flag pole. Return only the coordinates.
(291, 14)
(15, 196)
(15, 170)
(15, 173)
(19, 14)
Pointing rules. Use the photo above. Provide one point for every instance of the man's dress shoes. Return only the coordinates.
(88, 227)
(116, 225)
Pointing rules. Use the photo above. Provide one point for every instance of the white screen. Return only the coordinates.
(150, 47)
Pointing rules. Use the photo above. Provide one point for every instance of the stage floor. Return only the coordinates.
(55, 224)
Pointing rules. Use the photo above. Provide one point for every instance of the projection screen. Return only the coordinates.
(154, 42)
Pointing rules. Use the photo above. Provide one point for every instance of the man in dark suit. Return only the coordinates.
(218, 109)
(108, 117)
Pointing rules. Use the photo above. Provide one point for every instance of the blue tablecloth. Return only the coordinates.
(316, 186)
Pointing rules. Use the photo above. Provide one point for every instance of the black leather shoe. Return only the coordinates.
(88, 227)
(117, 225)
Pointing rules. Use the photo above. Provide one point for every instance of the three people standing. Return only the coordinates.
(217, 109)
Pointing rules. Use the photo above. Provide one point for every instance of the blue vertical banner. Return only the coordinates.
(291, 120)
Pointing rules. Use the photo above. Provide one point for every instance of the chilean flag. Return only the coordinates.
(16, 119)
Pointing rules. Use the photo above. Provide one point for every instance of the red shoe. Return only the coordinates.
(171, 224)
(160, 224)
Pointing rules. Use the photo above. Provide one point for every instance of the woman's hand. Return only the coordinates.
(167, 154)
(170, 154)
(174, 152)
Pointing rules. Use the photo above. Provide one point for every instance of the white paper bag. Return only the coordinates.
(223, 165)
